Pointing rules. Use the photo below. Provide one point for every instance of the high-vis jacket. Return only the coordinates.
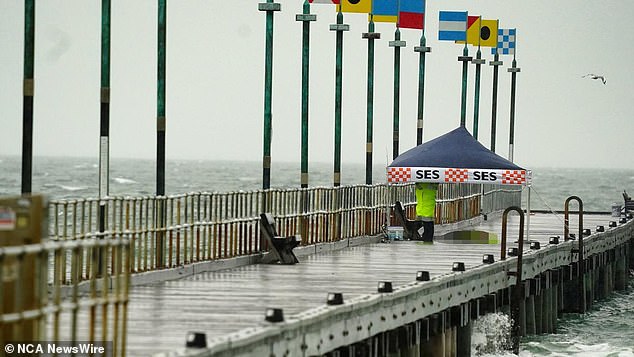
(426, 199)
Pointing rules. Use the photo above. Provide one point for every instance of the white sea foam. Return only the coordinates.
(71, 188)
(123, 181)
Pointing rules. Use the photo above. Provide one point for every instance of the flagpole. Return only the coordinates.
(340, 27)
(161, 125)
(496, 63)
(422, 50)
(397, 44)
(513, 70)
(476, 101)
(27, 99)
(370, 36)
(306, 17)
(465, 59)
(270, 7)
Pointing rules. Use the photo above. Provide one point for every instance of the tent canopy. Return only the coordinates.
(455, 157)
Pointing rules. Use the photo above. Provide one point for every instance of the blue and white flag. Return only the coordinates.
(452, 26)
(506, 42)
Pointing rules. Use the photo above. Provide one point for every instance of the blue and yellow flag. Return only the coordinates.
(385, 10)
(360, 6)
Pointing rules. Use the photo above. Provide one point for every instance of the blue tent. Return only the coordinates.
(455, 157)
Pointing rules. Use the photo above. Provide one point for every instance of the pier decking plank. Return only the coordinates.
(222, 302)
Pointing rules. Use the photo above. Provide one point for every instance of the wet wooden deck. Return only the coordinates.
(222, 302)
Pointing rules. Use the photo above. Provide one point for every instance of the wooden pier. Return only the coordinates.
(229, 306)
(351, 294)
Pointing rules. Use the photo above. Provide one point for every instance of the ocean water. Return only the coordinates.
(606, 330)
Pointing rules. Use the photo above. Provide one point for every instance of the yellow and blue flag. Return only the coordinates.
(385, 10)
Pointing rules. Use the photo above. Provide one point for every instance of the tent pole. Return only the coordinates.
(528, 215)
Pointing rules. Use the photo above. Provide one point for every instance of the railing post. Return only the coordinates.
(580, 263)
(518, 289)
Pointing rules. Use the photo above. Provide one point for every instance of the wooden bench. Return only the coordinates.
(280, 248)
(410, 226)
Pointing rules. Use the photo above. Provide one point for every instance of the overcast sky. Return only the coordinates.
(215, 61)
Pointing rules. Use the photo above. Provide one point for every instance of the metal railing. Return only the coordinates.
(33, 307)
(204, 226)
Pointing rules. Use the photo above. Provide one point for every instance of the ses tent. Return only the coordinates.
(455, 157)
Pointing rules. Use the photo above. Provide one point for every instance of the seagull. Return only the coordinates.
(595, 76)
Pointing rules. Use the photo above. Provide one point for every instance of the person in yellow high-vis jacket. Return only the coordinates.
(426, 207)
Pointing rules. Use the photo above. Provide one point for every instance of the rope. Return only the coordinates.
(547, 205)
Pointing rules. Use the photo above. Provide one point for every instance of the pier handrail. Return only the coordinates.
(518, 288)
(580, 263)
(170, 231)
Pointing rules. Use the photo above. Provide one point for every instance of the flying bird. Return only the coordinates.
(595, 76)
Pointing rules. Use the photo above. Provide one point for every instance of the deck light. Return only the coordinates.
(274, 315)
(612, 224)
(488, 259)
(334, 299)
(572, 236)
(457, 266)
(385, 287)
(512, 252)
(553, 240)
(600, 229)
(586, 232)
(535, 245)
(623, 220)
(422, 275)
(196, 340)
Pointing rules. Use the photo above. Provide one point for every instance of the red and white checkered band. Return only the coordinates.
(456, 175)
(399, 174)
(514, 177)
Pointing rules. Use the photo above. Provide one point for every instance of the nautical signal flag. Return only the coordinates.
(331, 2)
(452, 26)
(481, 32)
(385, 10)
(506, 42)
(411, 14)
(362, 6)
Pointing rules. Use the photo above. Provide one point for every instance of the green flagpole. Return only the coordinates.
(422, 50)
(370, 36)
(306, 17)
(27, 99)
(160, 105)
(270, 7)
(339, 27)
(397, 44)
(465, 59)
(513, 70)
(161, 125)
(496, 63)
(476, 101)
(105, 100)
